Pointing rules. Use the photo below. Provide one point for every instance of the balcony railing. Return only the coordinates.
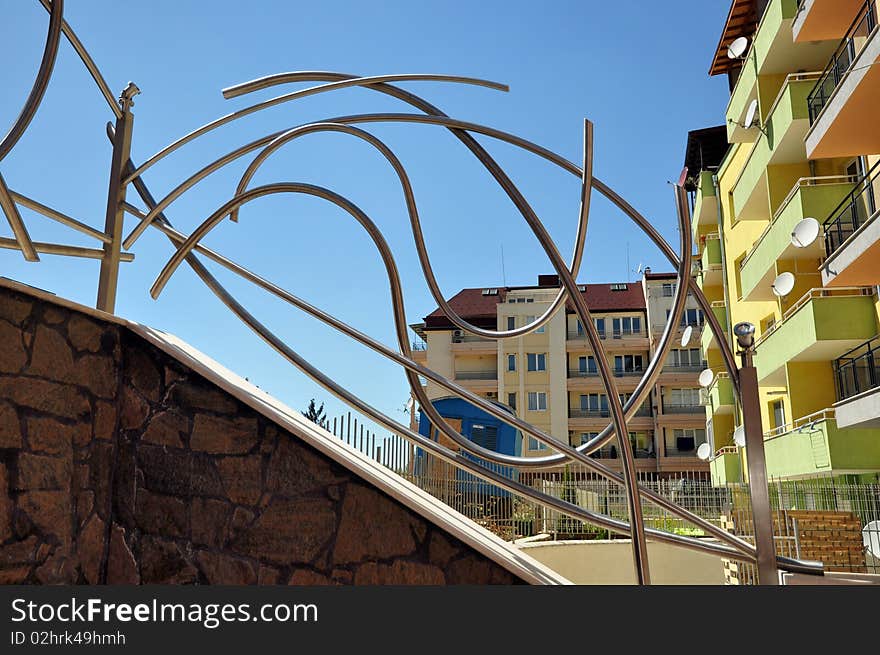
(470, 338)
(858, 370)
(476, 375)
(835, 292)
(577, 373)
(685, 368)
(610, 334)
(604, 412)
(842, 59)
(855, 209)
(419, 346)
(803, 424)
(683, 408)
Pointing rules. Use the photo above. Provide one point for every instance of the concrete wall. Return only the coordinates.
(120, 465)
(610, 562)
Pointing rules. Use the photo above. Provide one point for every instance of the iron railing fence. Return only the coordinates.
(853, 211)
(610, 334)
(842, 59)
(858, 370)
(476, 375)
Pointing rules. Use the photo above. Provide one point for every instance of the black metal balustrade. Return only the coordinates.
(476, 375)
(842, 59)
(855, 209)
(858, 370)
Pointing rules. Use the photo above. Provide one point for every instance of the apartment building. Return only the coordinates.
(550, 377)
(787, 227)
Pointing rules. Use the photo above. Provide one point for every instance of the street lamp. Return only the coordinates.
(762, 518)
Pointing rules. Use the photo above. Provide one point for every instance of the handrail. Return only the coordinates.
(822, 415)
(818, 98)
(821, 292)
(851, 377)
(837, 230)
(801, 183)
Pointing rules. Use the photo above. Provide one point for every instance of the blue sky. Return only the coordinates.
(638, 70)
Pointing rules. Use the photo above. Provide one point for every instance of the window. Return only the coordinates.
(618, 287)
(586, 436)
(531, 319)
(537, 401)
(627, 363)
(511, 362)
(668, 289)
(520, 300)
(686, 440)
(687, 357)
(587, 364)
(534, 444)
(485, 436)
(692, 317)
(511, 400)
(600, 327)
(511, 322)
(594, 403)
(536, 361)
(490, 292)
(579, 327)
(777, 408)
(684, 397)
(626, 326)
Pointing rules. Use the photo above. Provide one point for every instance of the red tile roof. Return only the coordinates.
(481, 310)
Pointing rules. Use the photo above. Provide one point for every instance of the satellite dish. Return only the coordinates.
(686, 335)
(805, 232)
(704, 451)
(738, 48)
(751, 113)
(706, 377)
(783, 284)
(739, 436)
(871, 538)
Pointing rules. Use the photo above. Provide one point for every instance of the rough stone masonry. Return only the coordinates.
(119, 465)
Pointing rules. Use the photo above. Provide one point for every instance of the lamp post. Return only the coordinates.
(762, 518)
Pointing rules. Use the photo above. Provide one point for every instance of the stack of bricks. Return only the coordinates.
(831, 537)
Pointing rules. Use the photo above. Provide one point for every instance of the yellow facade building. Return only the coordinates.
(787, 230)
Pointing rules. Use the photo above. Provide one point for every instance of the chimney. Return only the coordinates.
(548, 281)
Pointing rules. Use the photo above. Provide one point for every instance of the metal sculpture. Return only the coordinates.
(125, 173)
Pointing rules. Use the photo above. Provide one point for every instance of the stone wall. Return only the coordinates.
(119, 465)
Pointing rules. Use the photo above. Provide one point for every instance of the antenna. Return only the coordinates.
(783, 284)
(503, 271)
(628, 269)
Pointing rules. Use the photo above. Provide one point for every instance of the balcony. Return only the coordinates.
(852, 236)
(469, 343)
(821, 326)
(710, 260)
(719, 394)
(816, 444)
(478, 380)
(707, 338)
(726, 467)
(677, 408)
(781, 142)
(612, 340)
(857, 373)
(824, 20)
(810, 197)
(705, 206)
(843, 104)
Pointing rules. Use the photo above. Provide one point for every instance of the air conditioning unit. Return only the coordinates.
(457, 336)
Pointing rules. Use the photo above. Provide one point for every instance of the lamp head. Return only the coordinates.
(745, 334)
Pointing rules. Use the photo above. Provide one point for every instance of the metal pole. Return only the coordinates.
(108, 278)
(762, 518)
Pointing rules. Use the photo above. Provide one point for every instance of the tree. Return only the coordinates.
(316, 414)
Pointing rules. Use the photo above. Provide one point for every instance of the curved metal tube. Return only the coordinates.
(89, 63)
(56, 17)
(362, 81)
(218, 216)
